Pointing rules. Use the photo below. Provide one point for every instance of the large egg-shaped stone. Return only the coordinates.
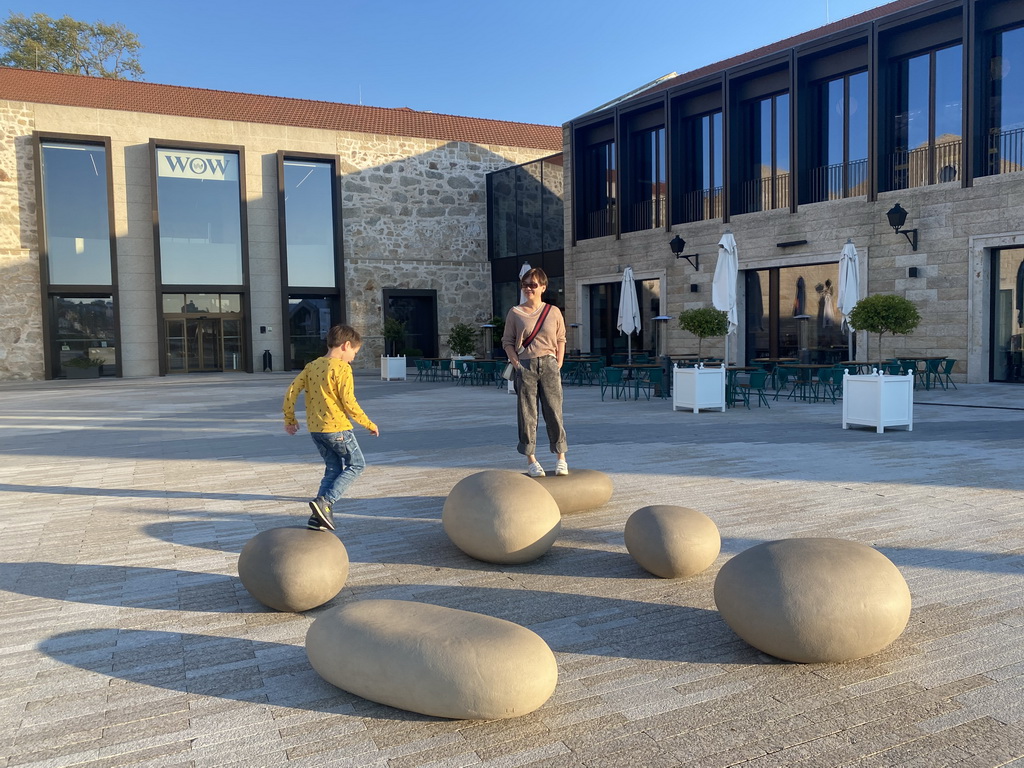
(672, 542)
(813, 600)
(432, 660)
(501, 517)
(580, 490)
(293, 569)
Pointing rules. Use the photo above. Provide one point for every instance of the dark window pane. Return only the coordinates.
(76, 215)
(528, 209)
(84, 328)
(553, 196)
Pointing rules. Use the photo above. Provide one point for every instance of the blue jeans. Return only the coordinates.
(343, 462)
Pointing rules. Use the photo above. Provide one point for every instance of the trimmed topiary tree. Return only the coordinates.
(703, 323)
(462, 339)
(885, 313)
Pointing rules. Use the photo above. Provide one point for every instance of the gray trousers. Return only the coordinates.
(539, 381)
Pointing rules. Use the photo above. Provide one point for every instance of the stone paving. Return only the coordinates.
(127, 640)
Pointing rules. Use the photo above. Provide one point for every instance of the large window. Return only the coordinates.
(1005, 149)
(841, 166)
(310, 235)
(198, 205)
(766, 182)
(928, 119)
(84, 335)
(700, 175)
(647, 171)
(596, 183)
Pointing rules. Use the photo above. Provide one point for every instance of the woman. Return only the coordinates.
(538, 370)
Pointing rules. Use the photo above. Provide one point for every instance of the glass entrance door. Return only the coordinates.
(203, 333)
(1006, 347)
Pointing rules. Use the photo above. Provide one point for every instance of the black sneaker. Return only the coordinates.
(314, 524)
(322, 512)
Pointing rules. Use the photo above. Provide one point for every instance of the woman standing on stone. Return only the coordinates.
(534, 341)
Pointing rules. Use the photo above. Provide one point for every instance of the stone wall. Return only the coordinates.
(20, 313)
(414, 216)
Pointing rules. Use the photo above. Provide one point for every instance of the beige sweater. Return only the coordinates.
(518, 326)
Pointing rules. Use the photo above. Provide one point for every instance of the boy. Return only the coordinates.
(330, 404)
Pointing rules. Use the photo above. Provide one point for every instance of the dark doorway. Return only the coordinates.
(418, 310)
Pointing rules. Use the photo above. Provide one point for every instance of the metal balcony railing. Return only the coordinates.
(1006, 151)
(599, 223)
(834, 182)
(765, 193)
(646, 214)
(920, 167)
(702, 204)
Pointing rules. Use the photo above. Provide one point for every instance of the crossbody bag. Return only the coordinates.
(510, 370)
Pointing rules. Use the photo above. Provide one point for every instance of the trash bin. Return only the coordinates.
(268, 360)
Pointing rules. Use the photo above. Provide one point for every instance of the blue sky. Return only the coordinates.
(535, 61)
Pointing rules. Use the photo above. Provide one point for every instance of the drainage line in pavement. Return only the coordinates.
(963, 405)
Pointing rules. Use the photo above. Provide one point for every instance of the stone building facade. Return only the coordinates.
(410, 194)
(840, 104)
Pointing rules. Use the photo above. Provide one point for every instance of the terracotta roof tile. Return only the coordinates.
(131, 96)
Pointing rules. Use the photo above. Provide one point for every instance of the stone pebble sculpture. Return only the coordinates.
(672, 542)
(293, 569)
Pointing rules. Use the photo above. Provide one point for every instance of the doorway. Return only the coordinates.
(1007, 324)
(418, 310)
(203, 344)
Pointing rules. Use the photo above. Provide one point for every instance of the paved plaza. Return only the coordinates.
(127, 640)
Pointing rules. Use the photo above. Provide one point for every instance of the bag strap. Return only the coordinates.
(537, 327)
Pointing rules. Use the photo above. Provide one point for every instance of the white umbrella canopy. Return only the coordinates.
(723, 285)
(526, 268)
(849, 288)
(629, 311)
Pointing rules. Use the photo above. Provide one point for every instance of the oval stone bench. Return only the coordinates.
(672, 542)
(501, 517)
(432, 660)
(813, 600)
(580, 490)
(293, 569)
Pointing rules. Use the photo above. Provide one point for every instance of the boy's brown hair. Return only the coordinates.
(339, 334)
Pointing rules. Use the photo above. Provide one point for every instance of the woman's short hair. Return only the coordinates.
(537, 274)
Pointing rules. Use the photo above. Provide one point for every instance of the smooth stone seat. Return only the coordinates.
(293, 569)
(501, 517)
(432, 660)
(581, 489)
(813, 600)
(672, 542)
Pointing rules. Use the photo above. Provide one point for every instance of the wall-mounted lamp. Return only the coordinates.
(677, 244)
(897, 218)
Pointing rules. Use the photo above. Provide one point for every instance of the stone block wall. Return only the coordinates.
(414, 216)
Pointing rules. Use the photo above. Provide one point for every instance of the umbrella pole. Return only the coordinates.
(629, 348)
(849, 342)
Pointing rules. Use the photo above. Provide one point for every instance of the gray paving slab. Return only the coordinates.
(127, 640)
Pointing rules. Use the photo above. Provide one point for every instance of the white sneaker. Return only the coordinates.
(535, 470)
(561, 468)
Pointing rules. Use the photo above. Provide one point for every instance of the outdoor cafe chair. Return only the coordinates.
(423, 370)
(755, 384)
(589, 372)
(443, 370)
(652, 378)
(826, 385)
(612, 378)
(619, 358)
(460, 371)
(782, 375)
(945, 369)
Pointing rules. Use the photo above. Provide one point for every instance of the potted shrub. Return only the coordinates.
(704, 323)
(82, 367)
(462, 340)
(885, 313)
(394, 334)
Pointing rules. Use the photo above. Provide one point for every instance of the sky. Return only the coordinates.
(531, 61)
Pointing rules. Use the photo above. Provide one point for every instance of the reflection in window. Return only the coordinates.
(203, 332)
(1008, 314)
(766, 185)
(309, 319)
(1006, 104)
(647, 183)
(76, 214)
(198, 202)
(84, 331)
(597, 193)
(842, 163)
(928, 119)
(309, 223)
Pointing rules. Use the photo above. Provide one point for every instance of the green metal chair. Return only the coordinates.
(654, 378)
(612, 378)
(947, 368)
(754, 385)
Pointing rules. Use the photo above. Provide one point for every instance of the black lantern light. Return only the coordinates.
(677, 244)
(897, 218)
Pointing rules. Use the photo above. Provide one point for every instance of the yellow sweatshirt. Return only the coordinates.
(330, 397)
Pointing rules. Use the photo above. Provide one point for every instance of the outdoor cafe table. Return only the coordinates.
(774, 363)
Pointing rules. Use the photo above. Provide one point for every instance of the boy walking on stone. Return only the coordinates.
(331, 408)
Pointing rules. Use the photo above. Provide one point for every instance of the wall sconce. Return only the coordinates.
(677, 245)
(897, 218)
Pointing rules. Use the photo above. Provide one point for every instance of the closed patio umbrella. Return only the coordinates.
(849, 288)
(629, 311)
(526, 268)
(723, 285)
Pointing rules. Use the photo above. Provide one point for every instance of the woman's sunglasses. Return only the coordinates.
(531, 286)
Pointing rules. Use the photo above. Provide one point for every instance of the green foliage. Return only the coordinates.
(497, 331)
(83, 362)
(462, 339)
(69, 46)
(703, 323)
(394, 332)
(885, 313)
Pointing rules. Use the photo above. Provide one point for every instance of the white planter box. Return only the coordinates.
(392, 368)
(878, 401)
(698, 388)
